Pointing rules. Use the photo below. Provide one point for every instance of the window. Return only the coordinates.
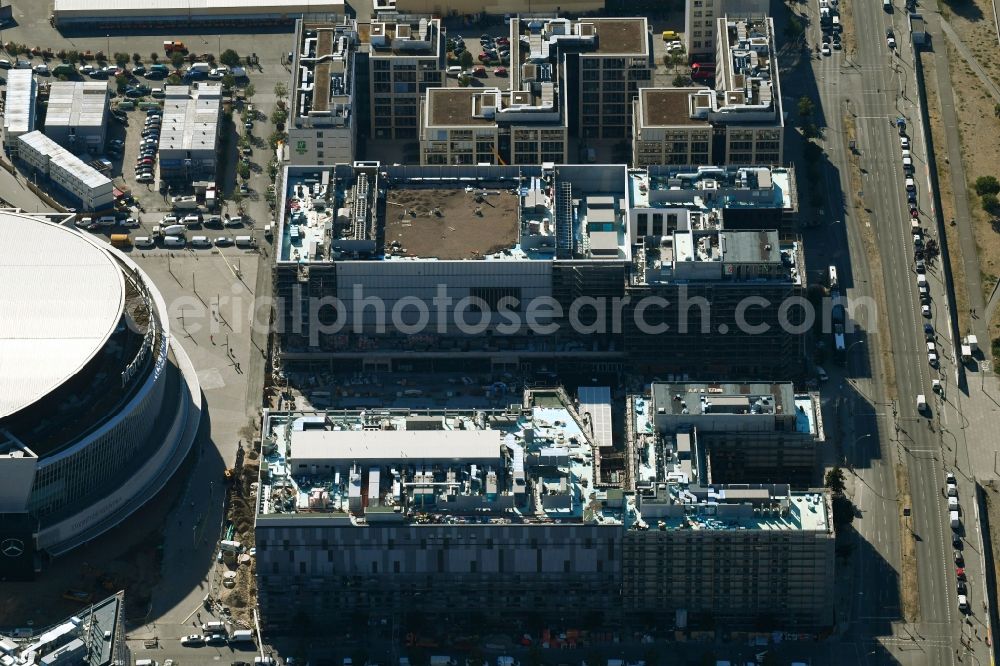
(698, 13)
(697, 45)
(657, 224)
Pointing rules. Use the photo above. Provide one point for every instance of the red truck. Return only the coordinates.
(171, 46)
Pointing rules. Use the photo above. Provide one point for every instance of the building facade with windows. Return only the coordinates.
(406, 58)
(614, 62)
(699, 22)
(322, 124)
(88, 188)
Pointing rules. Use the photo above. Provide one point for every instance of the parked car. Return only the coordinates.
(194, 640)
(144, 178)
(500, 71)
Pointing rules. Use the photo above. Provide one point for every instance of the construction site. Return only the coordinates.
(450, 223)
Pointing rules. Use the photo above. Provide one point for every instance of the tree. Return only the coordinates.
(243, 170)
(278, 117)
(280, 90)
(174, 80)
(237, 198)
(681, 81)
(121, 59)
(177, 59)
(835, 481)
(228, 81)
(229, 57)
(136, 58)
(843, 511)
(249, 91)
(991, 204)
(275, 138)
(794, 29)
(987, 185)
(121, 82)
(154, 56)
(73, 57)
(806, 107)
(465, 59)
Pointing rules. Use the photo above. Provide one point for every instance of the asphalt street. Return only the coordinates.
(872, 88)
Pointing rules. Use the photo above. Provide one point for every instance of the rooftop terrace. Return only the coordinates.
(325, 79)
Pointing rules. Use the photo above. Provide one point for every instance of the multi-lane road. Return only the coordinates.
(881, 427)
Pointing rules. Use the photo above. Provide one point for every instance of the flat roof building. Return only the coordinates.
(19, 107)
(446, 501)
(695, 523)
(189, 135)
(740, 122)
(88, 188)
(406, 58)
(164, 14)
(77, 115)
(322, 125)
(497, 7)
(400, 234)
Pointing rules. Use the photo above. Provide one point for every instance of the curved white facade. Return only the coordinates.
(134, 431)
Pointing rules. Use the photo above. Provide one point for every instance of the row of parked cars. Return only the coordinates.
(829, 23)
(145, 162)
(954, 517)
(216, 633)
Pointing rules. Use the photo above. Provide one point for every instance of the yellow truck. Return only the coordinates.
(121, 240)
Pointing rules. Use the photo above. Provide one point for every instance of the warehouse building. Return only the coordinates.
(98, 15)
(418, 514)
(322, 127)
(189, 137)
(77, 115)
(651, 238)
(19, 108)
(98, 406)
(89, 189)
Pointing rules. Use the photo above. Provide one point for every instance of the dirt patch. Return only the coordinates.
(874, 256)
(990, 490)
(973, 21)
(908, 593)
(955, 258)
(241, 503)
(450, 224)
(847, 21)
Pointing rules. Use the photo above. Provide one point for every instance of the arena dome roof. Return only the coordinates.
(62, 295)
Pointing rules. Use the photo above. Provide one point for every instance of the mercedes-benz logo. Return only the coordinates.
(12, 547)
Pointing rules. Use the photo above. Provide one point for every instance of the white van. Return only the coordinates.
(213, 627)
(887, 5)
(173, 241)
(836, 22)
(168, 219)
(84, 222)
(241, 635)
(107, 221)
(191, 220)
(952, 503)
(263, 661)
(244, 241)
(233, 221)
(200, 241)
(145, 662)
(454, 70)
(143, 241)
(956, 522)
